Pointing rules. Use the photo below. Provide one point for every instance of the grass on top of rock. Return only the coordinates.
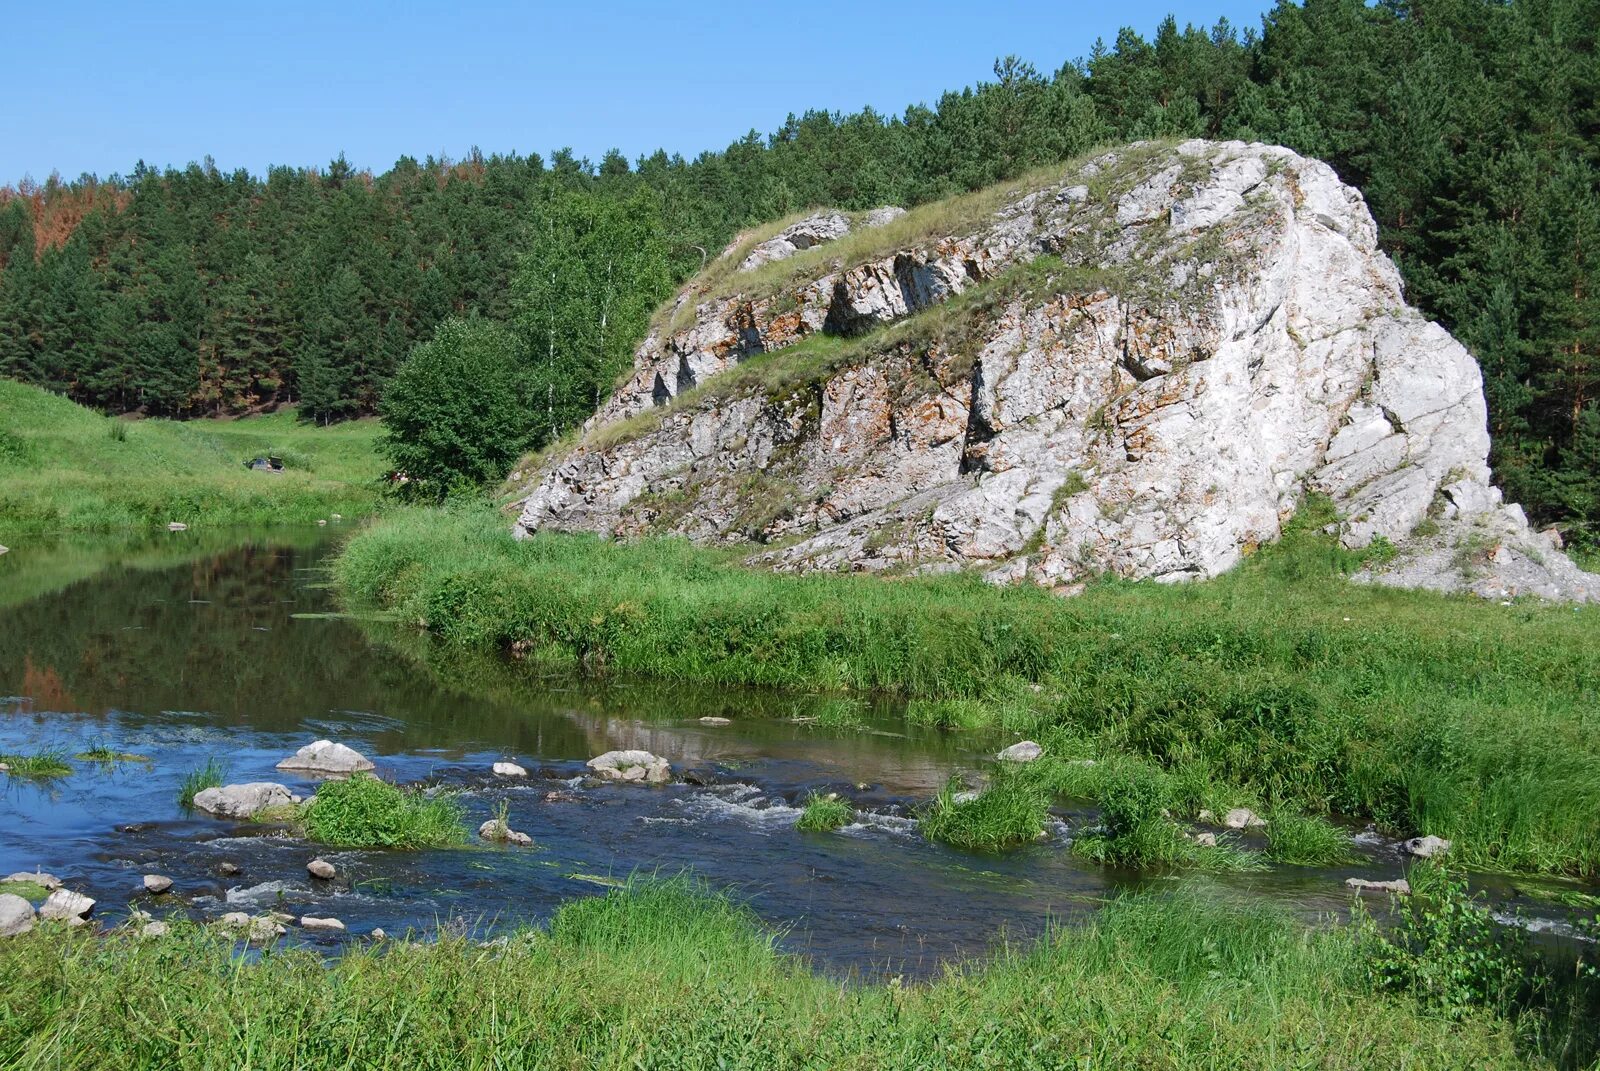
(825, 813)
(366, 812)
(1280, 681)
(43, 764)
(64, 467)
(211, 775)
(665, 975)
(1010, 810)
(28, 890)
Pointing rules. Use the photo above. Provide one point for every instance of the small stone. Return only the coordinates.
(16, 915)
(5, 549)
(321, 868)
(321, 522)
(1426, 847)
(1205, 816)
(710, 720)
(496, 830)
(556, 795)
(65, 904)
(1021, 751)
(156, 883)
(228, 869)
(965, 796)
(1205, 840)
(1399, 886)
(377, 933)
(234, 920)
(509, 769)
(336, 516)
(177, 526)
(47, 882)
(154, 929)
(1243, 818)
(309, 922)
(279, 916)
(325, 756)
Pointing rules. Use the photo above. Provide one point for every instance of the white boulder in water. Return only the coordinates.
(1427, 847)
(496, 830)
(1399, 886)
(325, 756)
(310, 922)
(509, 769)
(1021, 751)
(631, 765)
(321, 868)
(157, 883)
(242, 801)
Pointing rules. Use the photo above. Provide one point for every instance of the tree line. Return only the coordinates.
(1470, 125)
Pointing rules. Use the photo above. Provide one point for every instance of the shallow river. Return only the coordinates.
(225, 646)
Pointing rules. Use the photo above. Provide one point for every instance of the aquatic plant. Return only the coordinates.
(825, 813)
(211, 775)
(1010, 810)
(666, 975)
(366, 812)
(41, 765)
(1305, 839)
(106, 755)
(1137, 828)
(1279, 681)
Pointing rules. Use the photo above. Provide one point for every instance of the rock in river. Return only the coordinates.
(310, 922)
(1243, 818)
(1427, 847)
(496, 830)
(157, 883)
(325, 756)
(509, 769)
(1399, 885)
(1021, 751)
(16, 915)
(65, 904)
(631, 766)
(321, 868)
(242, 801)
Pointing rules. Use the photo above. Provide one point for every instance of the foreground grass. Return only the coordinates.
(366, 812)
(1280, 683)
(664, 976)
(67, 468)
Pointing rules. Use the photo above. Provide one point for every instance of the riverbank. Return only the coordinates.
(67, 468)
(1280, 683)
(665, 975)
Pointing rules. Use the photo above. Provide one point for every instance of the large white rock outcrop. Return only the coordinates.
(1142, 367)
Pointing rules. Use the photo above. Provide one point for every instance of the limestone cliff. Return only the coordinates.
(1142, 364)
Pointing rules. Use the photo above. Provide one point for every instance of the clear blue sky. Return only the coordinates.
(98, 86)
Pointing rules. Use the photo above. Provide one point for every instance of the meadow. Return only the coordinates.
(64, 468)
(1281, 686)
(663, 974)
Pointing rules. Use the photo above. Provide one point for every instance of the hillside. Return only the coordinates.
(64, 467)
(1144, 364)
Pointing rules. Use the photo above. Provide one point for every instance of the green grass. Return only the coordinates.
(42, 765)
(106, 755)
(1278, 682)
(824, 814)
(665, 976)
(67, 468)
(211, 775)
(1305, 840)
(366, 812)
(1010, 810)
(26, 889)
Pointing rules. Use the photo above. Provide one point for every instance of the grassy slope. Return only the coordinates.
(660, 976)
(1279, 682)
(64, 467)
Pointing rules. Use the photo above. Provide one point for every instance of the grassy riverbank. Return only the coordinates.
(67, 468)
(1278, 684)
(664, 976)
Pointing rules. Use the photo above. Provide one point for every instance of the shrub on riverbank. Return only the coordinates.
(1280, 681)
(366, 812)
(64, 467)
(664, 976)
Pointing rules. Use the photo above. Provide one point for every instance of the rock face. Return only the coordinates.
(242, 801)
(325, 756)
(812, 231)
(1142, 367)
(16, 915)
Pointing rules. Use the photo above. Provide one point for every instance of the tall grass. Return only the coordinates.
(1280, 681)
(64, 467)
(211, 775)
(824, 814)
(1010, 810)
(365, 812)
(665, 976)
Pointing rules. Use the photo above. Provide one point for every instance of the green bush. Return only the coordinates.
(1010, 810)
(365, 812)
(457, 412)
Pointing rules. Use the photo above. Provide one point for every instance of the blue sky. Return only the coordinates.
(97, 87)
